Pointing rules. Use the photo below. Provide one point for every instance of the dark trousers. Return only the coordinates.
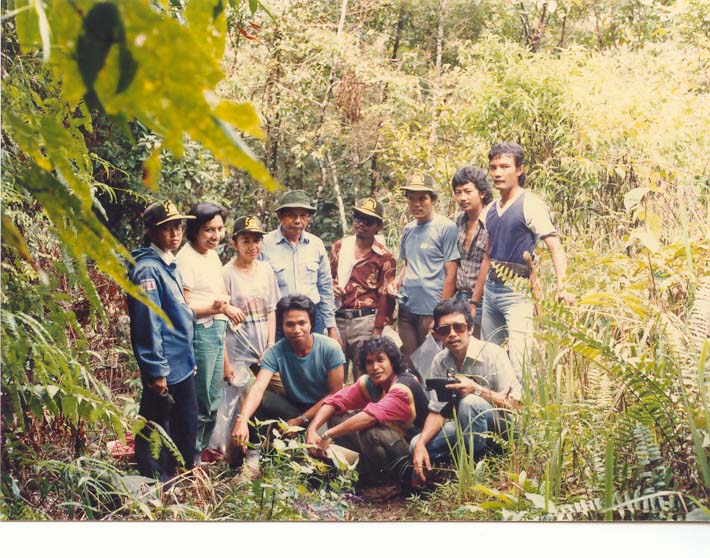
(412, 329)
(179, 422)
(274, 407)
(382, 450)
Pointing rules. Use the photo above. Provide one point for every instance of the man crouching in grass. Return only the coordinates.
(485, 387)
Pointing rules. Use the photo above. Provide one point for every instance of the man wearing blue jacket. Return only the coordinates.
(164, 354)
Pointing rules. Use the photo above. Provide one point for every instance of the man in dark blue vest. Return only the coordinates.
(515, 223)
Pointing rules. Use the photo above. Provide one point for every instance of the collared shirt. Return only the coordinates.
(486, 363)
(168, 257)
(367, 286)
(302, 270)
(470, 262)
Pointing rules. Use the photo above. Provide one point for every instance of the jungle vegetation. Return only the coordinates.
(107, 106)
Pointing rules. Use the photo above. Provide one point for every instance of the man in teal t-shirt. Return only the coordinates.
(310, 367)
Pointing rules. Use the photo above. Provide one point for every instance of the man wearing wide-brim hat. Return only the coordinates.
(362, 267)
(430, 254)
(164, 353)
(300, 261)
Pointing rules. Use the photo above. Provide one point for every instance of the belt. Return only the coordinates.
(355, 312)
(519, 270)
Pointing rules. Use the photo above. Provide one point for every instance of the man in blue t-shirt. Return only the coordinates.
(430, 253)
(514, 224)
(309, 365)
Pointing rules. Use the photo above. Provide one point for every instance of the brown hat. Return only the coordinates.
(161, 212)
(419, 182)
(295, 199)
(247, 223)
(370, 207)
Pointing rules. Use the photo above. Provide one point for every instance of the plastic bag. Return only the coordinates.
(424, 356)
(233, 395)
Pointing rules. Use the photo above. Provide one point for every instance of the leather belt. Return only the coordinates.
(355, 312)
(520, 270)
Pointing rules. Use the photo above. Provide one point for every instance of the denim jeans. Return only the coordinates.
(475, 417)
(180, 423)
(508, 315)
(209, 353)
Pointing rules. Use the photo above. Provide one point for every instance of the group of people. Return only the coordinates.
(290, 321)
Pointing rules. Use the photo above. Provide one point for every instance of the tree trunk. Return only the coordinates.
(436, 93)
(338, 194)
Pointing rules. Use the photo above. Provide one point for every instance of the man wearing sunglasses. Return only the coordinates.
(484, 388)
(362, 267)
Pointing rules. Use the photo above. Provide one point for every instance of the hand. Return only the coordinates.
(314, 439)
(565, 297)
(333, 333)
(159, 385)
(219, 305)
(474, 306)
(228, 373)
(338, 291)
(393, 287)
(420, 460)
(377, 332)
(234, 314)
(465, 387)
(240, 434)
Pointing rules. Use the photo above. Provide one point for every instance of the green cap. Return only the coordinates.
(295, 199)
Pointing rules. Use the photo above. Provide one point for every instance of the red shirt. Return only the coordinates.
(367, 286)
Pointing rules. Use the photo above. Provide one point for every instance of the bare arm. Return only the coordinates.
(420, 456)
(395, 285)
(336, 379)
(240, 432)
(449, 288)
(500, 400)
(559, 262)
(477, 295)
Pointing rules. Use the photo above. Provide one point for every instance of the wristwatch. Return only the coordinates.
(478, 391)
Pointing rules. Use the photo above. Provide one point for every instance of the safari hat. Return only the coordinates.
(370, 207)
(295, 199)
(247, 223)
(419, 182)
(161, 212)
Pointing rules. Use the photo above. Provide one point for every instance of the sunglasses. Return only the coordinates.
(369, 221)
(443, 331)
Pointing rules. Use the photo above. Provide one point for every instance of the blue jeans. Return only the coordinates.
(179, 422)
(508, 315)
(475, 416)
(209, 353)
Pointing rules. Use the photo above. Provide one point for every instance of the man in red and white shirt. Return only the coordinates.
(362, 267)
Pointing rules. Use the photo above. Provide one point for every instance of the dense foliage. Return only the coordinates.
(109, 105)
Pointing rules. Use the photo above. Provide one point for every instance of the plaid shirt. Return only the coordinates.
(470, 262)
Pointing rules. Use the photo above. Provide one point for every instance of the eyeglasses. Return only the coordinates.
(445, 330)
(368, 221)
